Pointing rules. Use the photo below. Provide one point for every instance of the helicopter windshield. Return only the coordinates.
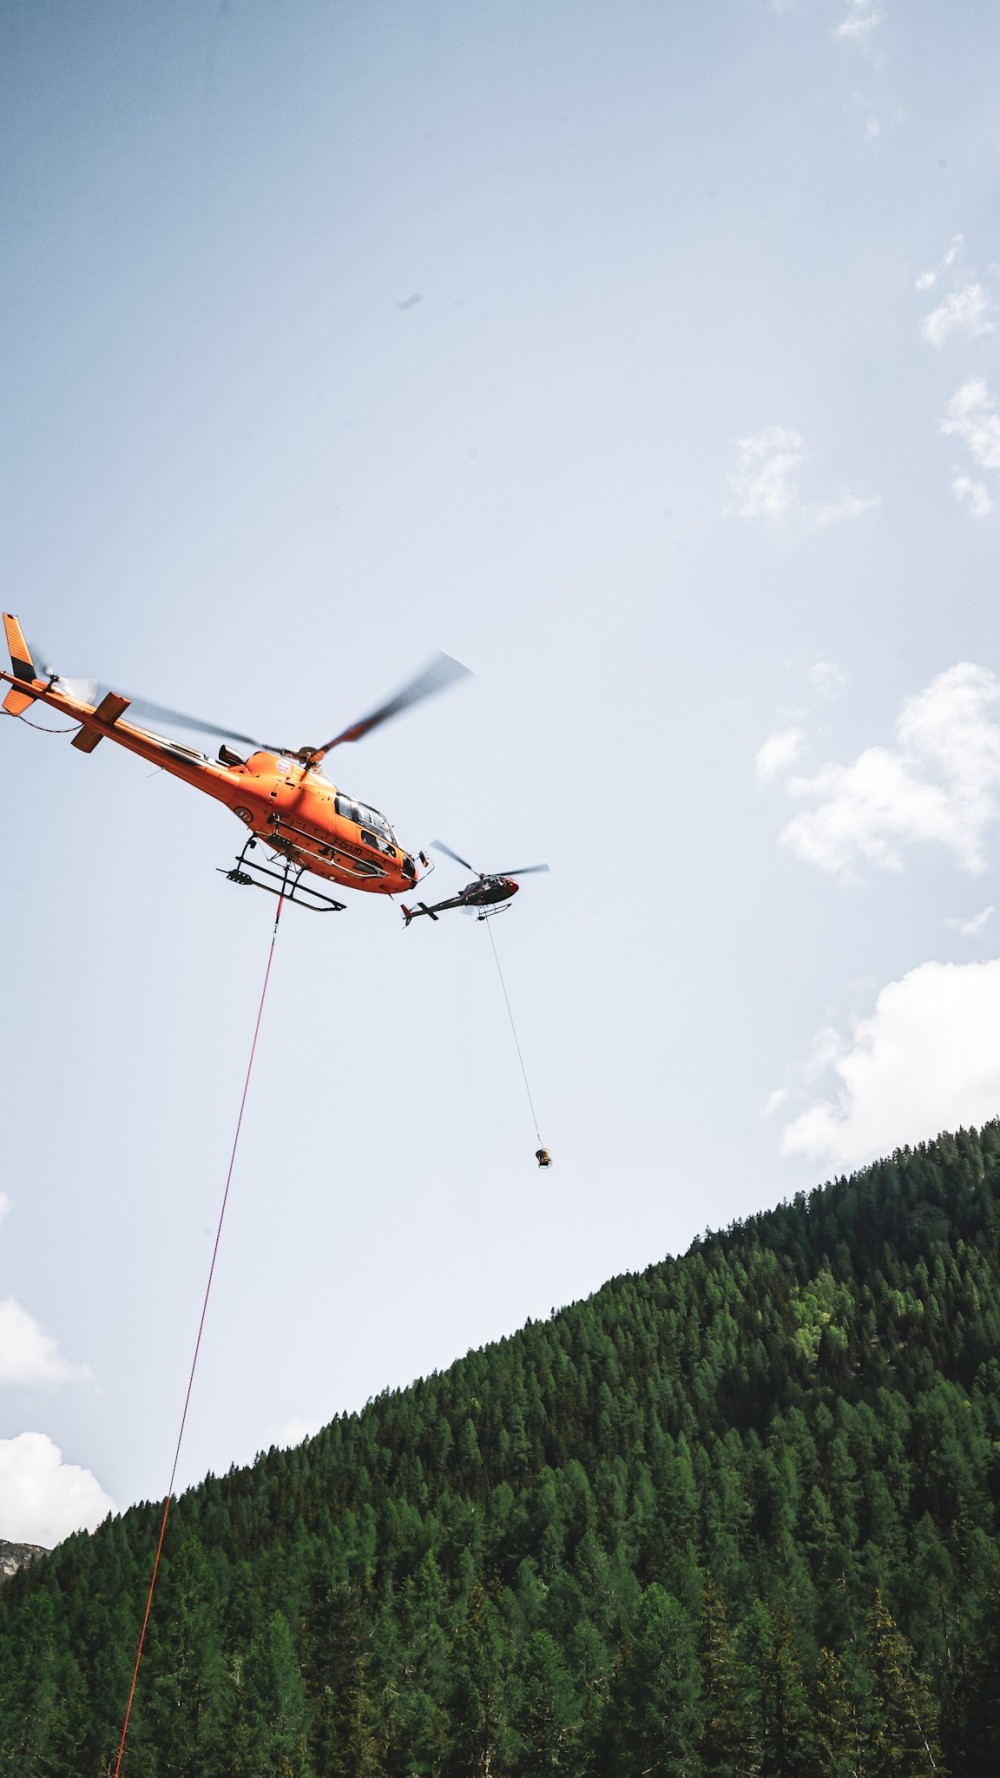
(367, 817)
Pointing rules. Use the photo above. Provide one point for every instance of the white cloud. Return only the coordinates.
(827, 1048)
(926, 1060)
(849, 506)
(28, 1355)
(972, 416)
(779, 751)
(938, 785)
(43, 1499)
(927, 280)
(863, 17)
(965, 311)
(975, 495)
(875, 129)
(969, 928)
(767, 472)
(775, 1099)
(766, 484)
(826, 679)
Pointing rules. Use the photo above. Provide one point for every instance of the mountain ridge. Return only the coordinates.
(745, 1499)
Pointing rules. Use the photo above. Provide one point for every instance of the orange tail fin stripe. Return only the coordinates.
(20, 654)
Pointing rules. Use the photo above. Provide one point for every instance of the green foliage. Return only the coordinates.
(736, 1517)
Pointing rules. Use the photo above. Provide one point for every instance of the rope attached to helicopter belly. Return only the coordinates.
(197, 1345)
(45, 728)
(542, 1154)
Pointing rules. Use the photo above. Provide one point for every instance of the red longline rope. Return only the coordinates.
(197, 1348)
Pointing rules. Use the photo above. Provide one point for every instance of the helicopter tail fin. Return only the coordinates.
(415, 913)
(20, 653)
(21, 663)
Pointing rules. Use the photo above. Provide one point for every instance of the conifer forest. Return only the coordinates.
(737, 1515)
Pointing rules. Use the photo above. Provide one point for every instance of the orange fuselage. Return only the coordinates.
(291, 807)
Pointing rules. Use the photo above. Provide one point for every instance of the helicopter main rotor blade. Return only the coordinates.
(526, 870)
(441, 671)
(161, 713)
(439, 846)
(90, 692)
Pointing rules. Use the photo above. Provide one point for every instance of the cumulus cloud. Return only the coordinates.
(965, 311)
(848, 506)
(766, 474)
(42, 1498)
(927, 1059)
(969, 928)
(972, 416)
(28, 1355)
(826, 679)
(863, 17)
(779, 751)
(766, 479)
(968, 492)
(927, 280)
(938, 785)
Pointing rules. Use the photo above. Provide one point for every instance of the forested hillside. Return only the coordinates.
(737, 1515)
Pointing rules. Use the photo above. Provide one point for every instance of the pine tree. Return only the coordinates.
(480, 1705)
(728, 1746)
(652, 1717)
(899, 1721)
(835, 1723)
(547, 1712)
(342, 1738)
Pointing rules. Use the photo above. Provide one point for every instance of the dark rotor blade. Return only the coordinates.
(141, 707)
(526, 870)
(438, 673)
(440, 846)
(161, 713)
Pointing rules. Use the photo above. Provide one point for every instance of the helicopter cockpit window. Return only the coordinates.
(367, 817)
(378, 834)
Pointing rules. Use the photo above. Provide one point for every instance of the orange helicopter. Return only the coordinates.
(303, 820)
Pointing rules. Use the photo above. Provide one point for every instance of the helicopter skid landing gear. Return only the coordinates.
(290, 887)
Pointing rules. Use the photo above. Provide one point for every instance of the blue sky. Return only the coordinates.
(643, 358)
